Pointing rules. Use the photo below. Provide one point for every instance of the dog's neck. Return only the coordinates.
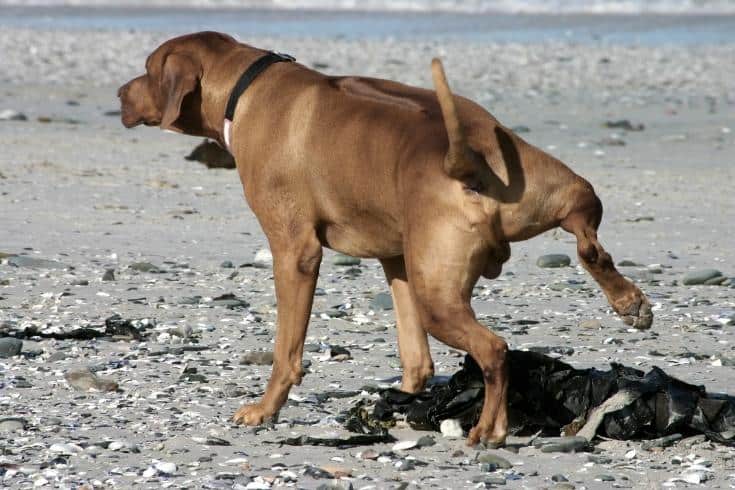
(216, 90)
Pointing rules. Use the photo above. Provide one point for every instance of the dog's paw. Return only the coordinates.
(635, 311)
(254, 414)
(488, 437)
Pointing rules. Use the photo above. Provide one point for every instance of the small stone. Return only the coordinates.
(339, 353)
(565, 445)
(145, 267)
(562, 486)
(227, 264)
(425, 441)
(11, 115)
(109, 275)
(382, 301)
(627, 263)
(258, 358)
(495, 460)
(263, 259)
(10, 347)
(559, 478)
(591, 324)
(451, 429)
(61, 448)
(183, 331)
(404, 445)
(12, 424)
(345, 260)
(165, 468)
(605, 478)
(34, 263)
(230, 301)
(553, 260)
(86, 380)
(700, 276)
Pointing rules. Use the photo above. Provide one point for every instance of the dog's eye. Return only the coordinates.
(472, 187)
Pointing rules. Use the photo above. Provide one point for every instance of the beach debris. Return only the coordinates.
(546, 395)
(624, 124)
(553, 260)
(345, 441)
(212, 155)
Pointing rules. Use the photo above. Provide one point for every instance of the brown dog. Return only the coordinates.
(428, 183)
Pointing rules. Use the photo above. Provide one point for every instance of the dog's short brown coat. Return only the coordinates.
(429, 183)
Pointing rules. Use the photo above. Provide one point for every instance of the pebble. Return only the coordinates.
(590, 324)
(227, 264)
(451, 429)
(12, 424)
(495, 461)
(86, 380)
(109, 275)
(404, 445)
(700, 276)
(263, 259)
(258, 358)
(34, 263)
(605, 478)
(10, 347)
(345, 260)
(382, 301)
(564, 445)
(559, 478)
(145, 267)
(553, 260)
(165, 468)
(11, 115)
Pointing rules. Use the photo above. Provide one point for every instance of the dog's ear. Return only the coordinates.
(179, 78)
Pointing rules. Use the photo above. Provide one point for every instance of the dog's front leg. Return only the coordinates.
(296, 262)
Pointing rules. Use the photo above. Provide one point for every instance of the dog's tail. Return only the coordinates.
(459, 160)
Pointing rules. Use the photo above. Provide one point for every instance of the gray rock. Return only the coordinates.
(10, 347)
(259, 358)
(145, 267)
(34, 263)
(12, 424)
(627, 263)
(559, 478)
(345, 260)
(591, 324)
(227, 264)
(183, 331)
(605, 478)
(425, 441)
(553, 260)
(109, 275)
(59, 355)
(86, 380)
(382, 301)
(12, 115)
(563, 444)
(495, 460)
(263, 259)
(700, 276)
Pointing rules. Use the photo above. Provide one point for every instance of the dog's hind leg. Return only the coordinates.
(413, 343)
(295, 269)
(444, 262)
(627, 300)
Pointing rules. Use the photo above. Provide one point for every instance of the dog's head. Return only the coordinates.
(169, 93)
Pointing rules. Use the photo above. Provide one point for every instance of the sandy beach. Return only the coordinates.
(80, 191)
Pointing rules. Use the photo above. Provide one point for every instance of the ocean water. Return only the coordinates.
(467, 6)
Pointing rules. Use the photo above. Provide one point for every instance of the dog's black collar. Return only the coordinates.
(244, 82)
